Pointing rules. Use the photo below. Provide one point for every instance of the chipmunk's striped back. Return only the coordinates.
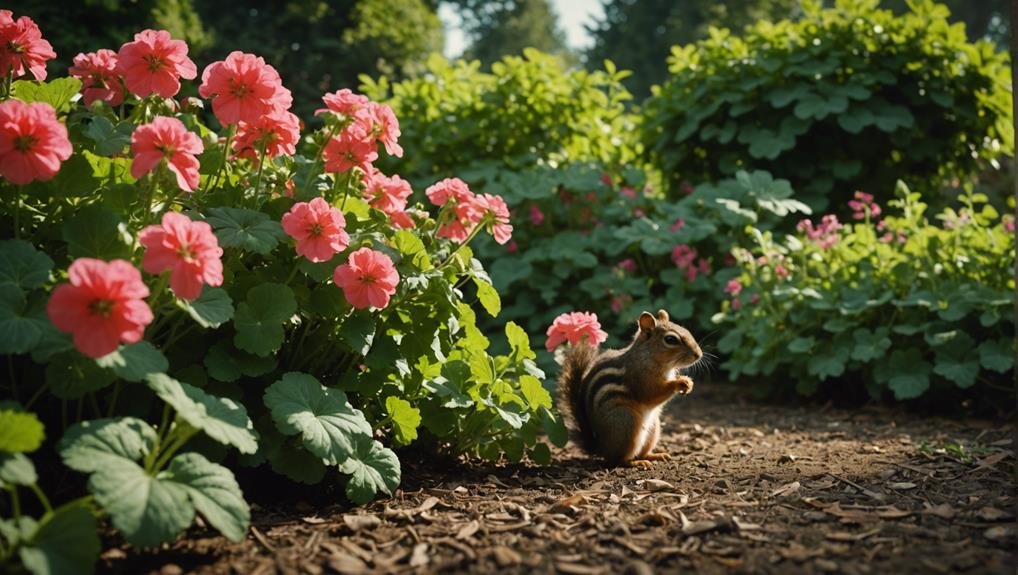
(589, 378)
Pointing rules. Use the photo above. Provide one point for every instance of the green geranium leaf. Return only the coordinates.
(97, 232)
(906, 372)
(801, 344)
(405, 419)
(72, 376)
(997, 355)
(245, 229)
(554, 428)
(534, 393)
(16, 469)
(109, 139)
(519, 342)
(22, 265)
(212, 309)
(57, 92)
(288, 457)
(20, 432)
(488, 296)
(91, 445)
(136, 361)
(259, 319)
(412, 249)
(960, 371)
(225, 363)
(66, 542)
(221, 418)
(828, 363)
(22, 328)
(372, 468)
(326, 422)
(869, 345)
(213, 491)
(147, 510)
(358, 331)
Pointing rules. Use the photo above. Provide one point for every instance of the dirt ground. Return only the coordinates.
(751, 488)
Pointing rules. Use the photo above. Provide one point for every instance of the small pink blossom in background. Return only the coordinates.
(575, 328)
(683, 255)
(686, 188)
(639, 213)
(627, 265)
(825, 234)
(386, 128)
(512, 247)
(536, 215)
(628, 192)
(881, 225)
(368, 279)
(730, 260)
(167, 139)
(22, 47)
(390, 195)
(154, 63)
(962, 220)
(495, 208)
(591, 197)
(345, 102)
(243, 88)
(753, 299)
(736, 304)
(276, 132)
(352, 148)
(319, 228)
(102, 306)
(678, 225)
(33, 143)
(734, 287)
(99, 79)
(188, 248)
(606, 178)
(1008, 223)
(887, 238)
(466, 211)
(620, 302)
(863, 206)
(781, 271)
(691, 273)
(703, 266)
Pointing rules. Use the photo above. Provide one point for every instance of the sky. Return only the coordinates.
(572, 15)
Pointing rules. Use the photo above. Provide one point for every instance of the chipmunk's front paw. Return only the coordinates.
(683, 384)
(643, 463)
(657, 456)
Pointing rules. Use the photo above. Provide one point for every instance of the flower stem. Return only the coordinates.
(318, 160)
(261, 168)
(42, 497)
(473, 233)
(226, 153)
(7, 85)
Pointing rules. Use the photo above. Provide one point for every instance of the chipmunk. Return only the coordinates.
(615, 396)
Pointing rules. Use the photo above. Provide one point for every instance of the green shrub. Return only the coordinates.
(847, 98)
(529, 109)
(899, 305)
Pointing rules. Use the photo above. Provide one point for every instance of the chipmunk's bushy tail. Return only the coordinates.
(572, 404)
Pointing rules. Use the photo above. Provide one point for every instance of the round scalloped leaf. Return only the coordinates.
(997, 355)
(372, 468)
(328, 425)
(91, 445)
(16, 469)
(214, 492)
(259, 319)
(20, 431)
(22, 265)
(222, 419)
(66, 542)
(134, 362)
(245, 229)
(405, 419)
(22, 326)
(212, 309)
(147, 510)
(72, 376)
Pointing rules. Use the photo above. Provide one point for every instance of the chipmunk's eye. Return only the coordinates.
(671, 340)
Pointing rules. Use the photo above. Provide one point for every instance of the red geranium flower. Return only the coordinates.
(368, 279)
(243, 88)
(99, 79)
(576, 328)
(388, 194)
(318, 228)
(276, 132)
(167, 139)
(154, 63)
(102, 305)
(33, 142)
(344, 102)
(353, 147)
(22, 47)
(186, 247)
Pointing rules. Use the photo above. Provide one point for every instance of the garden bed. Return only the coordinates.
(752, 488)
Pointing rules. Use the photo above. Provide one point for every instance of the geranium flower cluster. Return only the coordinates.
(575, 328)
(463, 211)
(22, 48)
(863, 206)
(825, 234)
(363, 124)
(685, 258)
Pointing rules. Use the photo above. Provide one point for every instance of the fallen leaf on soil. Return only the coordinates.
(1000, 533)
(843, 536)
(893, 513)
(944, 511)
(506, 557)
(569, 504)
(786, 490)
(655, 484)
(314, 520)
(419, 556)
(993, 514)
(577, 569)
(429, 503)
(799, 553)
(358, 522)
(901, 485)
(347, 564)
(745, 525)
(468, 530)
(695, 527)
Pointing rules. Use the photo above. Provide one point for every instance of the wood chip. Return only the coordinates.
(429, 503)
(505, 557)
(655, 485)
(419, 556)
(347, 564)
(468, 530)
(786, 490)
(361, 522)
(843, 536)
(901, 485)
(578, 569)
(1000, 533)
(992, 514)
(944, 511)
(695, 527)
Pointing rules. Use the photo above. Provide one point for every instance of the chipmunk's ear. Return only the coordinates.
(662, 316)
(647, 322)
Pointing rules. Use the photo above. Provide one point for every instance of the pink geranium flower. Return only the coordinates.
(345, 102)
(320, 229)
(352, 148)
(154, 63)
(243, 88)
(536, 215)
(276, 132)
(734, 287)
(678, 224)
(465, 212)
(368, 279)
(22, 47)
(99, 79)
(188, 248)
(575, 328)
(102, 306)
(33, 143)
(167, 139)
(453, 189)
(683, 255)
(863, 206)
(386, 128)
(495, 209)
(390, 195)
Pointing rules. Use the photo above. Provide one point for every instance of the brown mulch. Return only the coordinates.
(751, 488)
